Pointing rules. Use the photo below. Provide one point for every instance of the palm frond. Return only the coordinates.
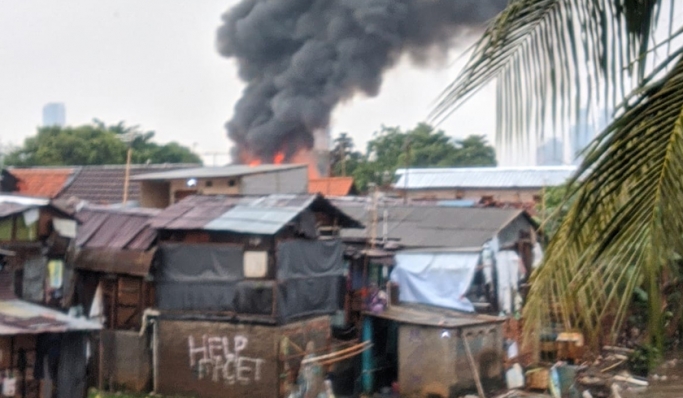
(625, 225)
(551, 59)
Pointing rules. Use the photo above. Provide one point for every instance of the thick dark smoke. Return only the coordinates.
(300, 58)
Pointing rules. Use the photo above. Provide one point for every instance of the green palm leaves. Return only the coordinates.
(549, 58)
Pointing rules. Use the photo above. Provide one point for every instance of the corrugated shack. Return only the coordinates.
(39, 233)
(463, 259)
(43, 352)
(245, 288)
(460, 258)
(113, 255)
(112, 258)
(433, 352)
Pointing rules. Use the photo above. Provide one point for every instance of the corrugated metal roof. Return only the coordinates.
(484, 177)
(216, 172)
(433, 226)
(21, 317)
(24, 200)
(251, 215)
(9, 209)
(193, 212)
(416, 314)
(115, 229)
(263, 216)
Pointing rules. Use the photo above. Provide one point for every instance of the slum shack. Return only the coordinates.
(43, 352)
(462, 258)
(245, 287)
(432, 352)
(112, 258)
(39, 233)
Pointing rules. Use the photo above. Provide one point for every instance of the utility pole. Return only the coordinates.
(407, 171)
(127, 177)
(342, 149)
(373, 227)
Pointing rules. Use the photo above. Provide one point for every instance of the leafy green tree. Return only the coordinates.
(96, 144)
(393, 148)
(550, 58)
(344, 158)
(554, 207)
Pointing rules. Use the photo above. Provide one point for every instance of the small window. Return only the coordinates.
(209, 183)
(231, 183)
(255, 264)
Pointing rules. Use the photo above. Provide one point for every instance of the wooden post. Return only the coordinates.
(127, 176)
(100, 360)
(473, 366)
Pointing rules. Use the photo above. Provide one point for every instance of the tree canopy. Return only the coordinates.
(392, 148)
(622, 231)
(96, 144)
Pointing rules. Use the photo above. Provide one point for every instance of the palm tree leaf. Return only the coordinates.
(624, 226)
(566, 54)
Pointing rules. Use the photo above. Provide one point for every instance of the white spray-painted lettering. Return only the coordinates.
(212, 356)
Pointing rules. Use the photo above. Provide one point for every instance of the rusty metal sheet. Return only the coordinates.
(115, 229)
(21, 317)
(143, 240)
(417, 314)
(91, 223)
(9, 209)
(130, 262)
(435, 226)
(253, 215)
(263, 216)
(193, 212)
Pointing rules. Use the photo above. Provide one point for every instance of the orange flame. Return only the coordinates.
(305, 156)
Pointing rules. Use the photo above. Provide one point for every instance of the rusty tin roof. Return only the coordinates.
(21, 317)
(118, 229)
(264, 215)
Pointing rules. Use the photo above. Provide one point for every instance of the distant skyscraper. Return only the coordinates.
(54, 114)
(551, 153)
(585, 131)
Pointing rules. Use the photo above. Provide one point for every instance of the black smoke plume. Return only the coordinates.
(300, 58)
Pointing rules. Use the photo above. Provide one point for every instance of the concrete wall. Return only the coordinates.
(432, 364)
(127, 360)
(294, 181)
(161, 194)
(218, 359)
(154, 194)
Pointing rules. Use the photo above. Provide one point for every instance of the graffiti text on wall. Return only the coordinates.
(222, 359)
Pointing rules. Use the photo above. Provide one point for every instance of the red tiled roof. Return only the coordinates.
(46, 183)
(332, 186)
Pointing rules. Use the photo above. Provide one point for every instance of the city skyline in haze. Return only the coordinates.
(154, 64)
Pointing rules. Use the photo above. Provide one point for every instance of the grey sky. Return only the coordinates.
(153, 63)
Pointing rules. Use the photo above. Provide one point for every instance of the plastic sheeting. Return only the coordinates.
(310, 278)
(200, 277)
(440, 279)
(508, 266)
(71, 373)
(33, 284)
